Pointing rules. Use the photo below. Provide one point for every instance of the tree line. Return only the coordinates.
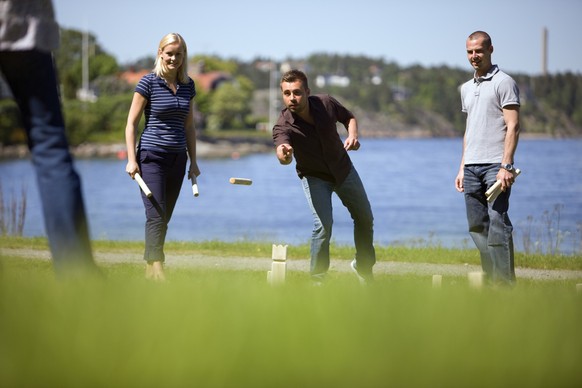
(389, 99)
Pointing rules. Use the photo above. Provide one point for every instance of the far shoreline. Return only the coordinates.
(211, 147)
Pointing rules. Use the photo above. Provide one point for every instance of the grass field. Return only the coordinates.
(210, 328)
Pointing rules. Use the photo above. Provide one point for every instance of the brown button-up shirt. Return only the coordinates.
(318, 149)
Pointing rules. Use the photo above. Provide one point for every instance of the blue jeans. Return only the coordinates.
(489, 224)
(163, 172)
(353, 196)
(32, 80)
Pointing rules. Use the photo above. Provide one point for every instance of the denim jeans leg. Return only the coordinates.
(318, 193)
(478, 215)
(489, 223)
(354, 198)
(500, 241)
(33, 82)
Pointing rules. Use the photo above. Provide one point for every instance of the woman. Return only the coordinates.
(167, 141)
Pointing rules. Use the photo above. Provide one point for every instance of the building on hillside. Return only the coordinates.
(204, 81)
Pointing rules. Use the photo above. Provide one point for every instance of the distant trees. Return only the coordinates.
(101, 121)
(429, 97)
(413, 96)
(552, 104)
(229, 106)
(69, 61)
(385, 94)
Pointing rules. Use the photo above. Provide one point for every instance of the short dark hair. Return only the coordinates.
(295, 75)
(481, 34)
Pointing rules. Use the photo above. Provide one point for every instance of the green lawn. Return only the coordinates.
(422, 253)
(211, 328)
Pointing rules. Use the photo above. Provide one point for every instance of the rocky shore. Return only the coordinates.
(206, 148)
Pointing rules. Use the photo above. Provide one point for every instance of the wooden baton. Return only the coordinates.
(146, 190)
(495, 190)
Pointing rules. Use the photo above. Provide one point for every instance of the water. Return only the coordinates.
(410, 184)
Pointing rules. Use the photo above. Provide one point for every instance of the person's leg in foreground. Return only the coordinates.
(33, 82)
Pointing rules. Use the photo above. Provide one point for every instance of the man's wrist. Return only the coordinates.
(508, 166)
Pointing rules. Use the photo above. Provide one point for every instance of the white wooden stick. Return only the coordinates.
(495, 190)
(194, 186)
(146, 190)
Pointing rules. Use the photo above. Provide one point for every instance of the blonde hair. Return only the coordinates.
(160, 67)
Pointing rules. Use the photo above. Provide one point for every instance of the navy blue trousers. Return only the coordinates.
(163, 172)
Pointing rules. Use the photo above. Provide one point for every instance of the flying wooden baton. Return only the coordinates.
(241, 181)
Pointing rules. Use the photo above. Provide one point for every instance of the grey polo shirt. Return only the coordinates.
(483, 99)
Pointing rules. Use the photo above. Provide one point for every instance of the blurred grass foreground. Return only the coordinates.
(210, 327)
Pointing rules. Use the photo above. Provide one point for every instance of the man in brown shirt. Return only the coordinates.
(307, 128)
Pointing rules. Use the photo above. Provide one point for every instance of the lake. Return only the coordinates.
(410, 184)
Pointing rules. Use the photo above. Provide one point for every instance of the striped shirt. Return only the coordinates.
(165, 113)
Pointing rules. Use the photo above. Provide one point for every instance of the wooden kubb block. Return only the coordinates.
(476, 279)
(279, 265)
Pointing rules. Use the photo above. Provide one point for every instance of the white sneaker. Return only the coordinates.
(364, 280)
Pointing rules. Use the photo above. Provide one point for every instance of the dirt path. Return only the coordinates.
(261, 263)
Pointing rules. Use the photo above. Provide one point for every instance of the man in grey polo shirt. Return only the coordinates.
(491, 101)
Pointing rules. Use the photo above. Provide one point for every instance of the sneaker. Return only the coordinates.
(318, 280)
(364, 279)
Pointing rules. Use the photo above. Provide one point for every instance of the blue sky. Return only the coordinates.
(429, 33)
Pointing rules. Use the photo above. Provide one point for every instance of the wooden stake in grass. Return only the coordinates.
(476, 279)
(437, 281)
(279, 266)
